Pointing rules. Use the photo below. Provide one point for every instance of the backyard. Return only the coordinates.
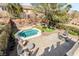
(47, 25)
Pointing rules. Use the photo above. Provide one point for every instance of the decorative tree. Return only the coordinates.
(54, 12)
(14, 9)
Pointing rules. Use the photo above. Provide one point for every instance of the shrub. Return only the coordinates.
(3, 40)
(44, 29)
(4, 36)
(70, 29)
(73, 33)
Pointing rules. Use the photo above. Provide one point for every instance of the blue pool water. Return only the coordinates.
(27, 33)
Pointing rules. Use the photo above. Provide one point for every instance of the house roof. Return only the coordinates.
(27, 6)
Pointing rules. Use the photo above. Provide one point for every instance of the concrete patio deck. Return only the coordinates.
(50, 45)
(46, 43)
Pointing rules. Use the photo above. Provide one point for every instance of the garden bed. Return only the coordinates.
(45, 29)
(72, 30)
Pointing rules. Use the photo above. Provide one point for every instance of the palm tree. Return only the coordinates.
(54, 12)
(14, 9)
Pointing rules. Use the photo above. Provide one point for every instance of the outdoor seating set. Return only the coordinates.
(25, 49)
(64, 36)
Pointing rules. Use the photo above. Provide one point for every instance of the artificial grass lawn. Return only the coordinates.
(46, 29)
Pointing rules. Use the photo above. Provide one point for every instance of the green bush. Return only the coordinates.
(3, 40)
(48, 30)
(45, 29)
(70, 29)
(4, 36)
(73, 33)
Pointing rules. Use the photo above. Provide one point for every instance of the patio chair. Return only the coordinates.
(34, 52)
(68, 39)
(29, 46)
(26, 51)
(65, 33)
(60, 36)
(22, 43)
(63, 36)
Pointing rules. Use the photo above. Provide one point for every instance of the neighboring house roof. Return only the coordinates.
(0, 9)
(4, 14)
(27, 6)
(3, 4)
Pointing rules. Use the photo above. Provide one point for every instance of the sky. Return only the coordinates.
(75, 6)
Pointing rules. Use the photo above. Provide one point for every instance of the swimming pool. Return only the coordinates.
(28, 34)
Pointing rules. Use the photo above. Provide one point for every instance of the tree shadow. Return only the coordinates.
(12, 44)
(60, 50)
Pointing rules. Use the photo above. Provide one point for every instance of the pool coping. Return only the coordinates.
(27, 38)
